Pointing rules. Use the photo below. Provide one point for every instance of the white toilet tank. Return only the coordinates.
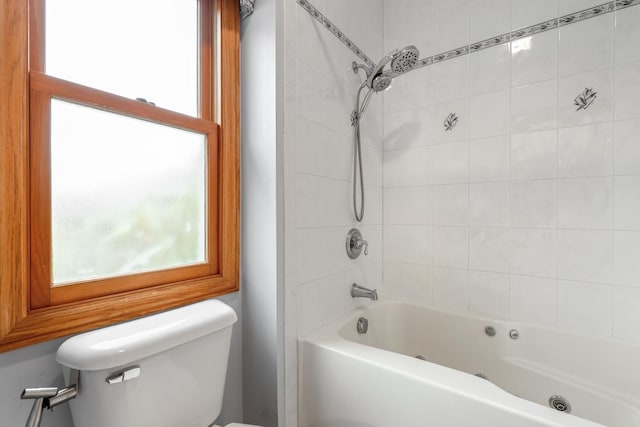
(182, 358)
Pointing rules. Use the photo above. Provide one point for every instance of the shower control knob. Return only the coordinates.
(355, 243)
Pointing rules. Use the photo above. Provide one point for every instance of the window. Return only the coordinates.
(119, 161)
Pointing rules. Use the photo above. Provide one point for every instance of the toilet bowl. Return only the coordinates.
(164, 370)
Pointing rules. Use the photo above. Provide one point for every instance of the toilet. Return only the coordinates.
(164, 370)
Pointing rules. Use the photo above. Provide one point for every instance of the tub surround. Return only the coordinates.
(509, 176)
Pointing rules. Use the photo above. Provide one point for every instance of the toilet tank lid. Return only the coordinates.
(125, 343)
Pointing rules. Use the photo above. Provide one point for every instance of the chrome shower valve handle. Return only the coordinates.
(363, 243)
(355, 243)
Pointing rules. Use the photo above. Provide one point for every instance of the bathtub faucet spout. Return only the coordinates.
(358, 291)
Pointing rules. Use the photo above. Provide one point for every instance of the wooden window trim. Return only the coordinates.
(20, 324)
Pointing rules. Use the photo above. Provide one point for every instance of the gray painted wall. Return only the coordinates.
(261, 213)
(35, 366)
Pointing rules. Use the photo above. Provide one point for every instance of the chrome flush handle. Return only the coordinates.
(130, 373)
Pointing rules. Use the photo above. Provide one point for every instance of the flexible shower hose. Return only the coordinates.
(357, 155)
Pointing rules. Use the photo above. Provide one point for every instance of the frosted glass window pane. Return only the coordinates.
(127, 195)
(133, 48)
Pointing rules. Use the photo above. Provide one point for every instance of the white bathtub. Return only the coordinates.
(349, 379)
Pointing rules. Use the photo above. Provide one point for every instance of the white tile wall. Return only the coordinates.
(319, 95)
(526, 210)
(535, 206)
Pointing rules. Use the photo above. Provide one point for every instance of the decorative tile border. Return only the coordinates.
(621, 4)
(572, 18)
(531, 30)
(335, 31)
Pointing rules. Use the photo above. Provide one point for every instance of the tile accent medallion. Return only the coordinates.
(585, 99)
(451, 121)
(571, 18)
(335, 31)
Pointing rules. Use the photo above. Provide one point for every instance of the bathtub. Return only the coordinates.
(378, 379)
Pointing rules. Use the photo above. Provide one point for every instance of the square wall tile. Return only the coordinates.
(450, 246)
(627, 258)
(627, 147)
(489, 203)
(417, 166)
(443, 132)
(585, 308)
(533, 203)
(489, 115)
(451, 79)
(417, 283)
(392, 168)
(586, 150)
(534, 107)
(451, 204)
(417, 88)
(489, 294)
(373, 215)
(587, 45)
(626, 316)
(600, 110)
(585, 255)
(417, 127)
(534, 155)
(489, 69)
(489, 249)
(627, 83)
(526, 12)
(451, 163)
(393, 244)
(309, 317)
(627, 203)
(489, 159)
(533, 299)
(392, 279)
(392, 205)
(417, 205)
(311, 200)
(585, 203)
(372, 159)
(533, 252)
(392, 126)
(627, 35)
(489, 18)
(535, 58)
(566, 7)
(452, 29)
(449, 5)
(418, 244)
(451, 288)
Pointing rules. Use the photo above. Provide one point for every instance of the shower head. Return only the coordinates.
(381, 82)
(402, 60)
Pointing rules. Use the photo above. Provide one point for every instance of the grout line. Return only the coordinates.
(557, 201)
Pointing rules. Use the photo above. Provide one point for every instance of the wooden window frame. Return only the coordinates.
(26, 317)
